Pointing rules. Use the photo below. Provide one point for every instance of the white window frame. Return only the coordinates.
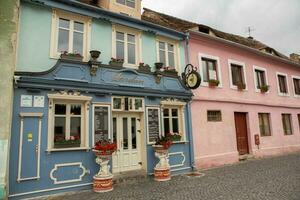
(69, 99)
(295, 77)
(56, 14)
(287, 84)
(135, 4)
(176, 51)
(219, 73)
(159, 121)
(123, 104)
(291, 122)
(255, 77)
(126, 30)
(98, 104)
(235, 62)
(181, 118)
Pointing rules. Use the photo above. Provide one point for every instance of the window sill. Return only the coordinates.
(284, 94)
(180, 142)
(69, 149)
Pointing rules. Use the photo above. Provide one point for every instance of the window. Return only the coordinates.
(129, 3)
(264, 124)
(101, 122)
(237, 75)
(167, 54)
(69, 33)
(126, 45)
(68, 126)
(286, 123)
(298, 119)
(282, 84)
(260, 78)
(127, 104)
(296, 82)
(173, 121)
(209, 69)
(214, 116)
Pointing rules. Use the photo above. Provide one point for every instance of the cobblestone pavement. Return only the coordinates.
(276, 178)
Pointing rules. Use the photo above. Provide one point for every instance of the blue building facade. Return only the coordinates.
(63, 105)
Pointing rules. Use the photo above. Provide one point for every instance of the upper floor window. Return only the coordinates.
(126, 46)
(287, 124)
(167, 53)
(209, 68)
(237, 75)
(129, 3)
(282, 84)
(260, 78)
(69, 33)
(296, 83)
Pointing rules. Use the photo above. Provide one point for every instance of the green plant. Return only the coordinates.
(165, 141)
(213, 82)
(264, 88)
(241, 86)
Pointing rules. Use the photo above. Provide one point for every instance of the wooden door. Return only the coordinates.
(241, 133)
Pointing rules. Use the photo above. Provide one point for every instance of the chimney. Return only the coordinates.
(295, 57)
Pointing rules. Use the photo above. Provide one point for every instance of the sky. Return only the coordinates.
(274, 22)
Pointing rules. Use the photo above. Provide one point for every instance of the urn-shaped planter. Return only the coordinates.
(103, 180)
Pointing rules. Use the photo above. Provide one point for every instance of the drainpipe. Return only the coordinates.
(187, 48)
(190, 131)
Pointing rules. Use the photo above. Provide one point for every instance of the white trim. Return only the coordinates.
(93, 120)
(38, 147)
(295, 77)
(287, 84)
(56, 166)
(177, 153)
(219, 72)
(255, 77)
(179, 169)
(231, 61)
(216, 155)
(159, 121)
(48, 190)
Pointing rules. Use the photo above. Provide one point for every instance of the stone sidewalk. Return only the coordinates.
(276, 178)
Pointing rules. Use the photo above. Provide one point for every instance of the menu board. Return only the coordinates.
(153, 124)
(101, 123)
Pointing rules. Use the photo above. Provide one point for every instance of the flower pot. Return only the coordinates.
(145, 68)
(66, 145)
(172, 72)
(71, 57)
(158, 65)
(116, 64)
(241, 87)
(95, 54)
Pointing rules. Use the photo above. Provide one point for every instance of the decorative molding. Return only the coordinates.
(177, 153)
(172, 102)
(23, 114)
(56, 166)
(69, 95)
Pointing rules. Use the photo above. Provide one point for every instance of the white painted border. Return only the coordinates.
(22, 115)
(56, 166)
(287, 84)
(295, 77)
(219, 72)
(177, 153)
(230, 61)
(159, 119)
(93, 120)
(48, 190)
(255, 78)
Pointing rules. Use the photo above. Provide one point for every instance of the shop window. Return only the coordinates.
(264, 124)
(173, 121)
(69, 34)
(296, 82)
(287, 124)
(282, 84)
(127, 104)
(101, 122)
(214, 116)
(129, 3)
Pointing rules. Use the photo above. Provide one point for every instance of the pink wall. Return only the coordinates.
(215, 142)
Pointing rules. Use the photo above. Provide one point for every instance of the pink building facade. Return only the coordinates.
(257, 96)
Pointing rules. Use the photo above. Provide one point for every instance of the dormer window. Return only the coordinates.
(129, 3)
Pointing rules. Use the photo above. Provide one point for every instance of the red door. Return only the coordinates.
(241, 133)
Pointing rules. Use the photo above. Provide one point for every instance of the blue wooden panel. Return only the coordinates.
(29, 155)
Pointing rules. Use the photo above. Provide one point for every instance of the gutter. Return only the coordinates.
(255, 51)
(113, 16)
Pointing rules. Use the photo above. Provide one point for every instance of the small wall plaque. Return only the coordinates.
(26, 100)
(38, 101)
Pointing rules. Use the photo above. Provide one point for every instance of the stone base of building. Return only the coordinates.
(103, 184)
(162, 174)
(216, 160)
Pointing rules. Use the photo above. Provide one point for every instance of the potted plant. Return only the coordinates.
(61, 142)
(116, 62)
(170, 71)
(241, 86)
(174, 136)
(145, 68)
(264, 88)
(104, 148)
(158, 65)
(163, 143)
(71, 56)
(213, 82)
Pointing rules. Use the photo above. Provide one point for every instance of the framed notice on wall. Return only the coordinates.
(153, 124)
(101, 122)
